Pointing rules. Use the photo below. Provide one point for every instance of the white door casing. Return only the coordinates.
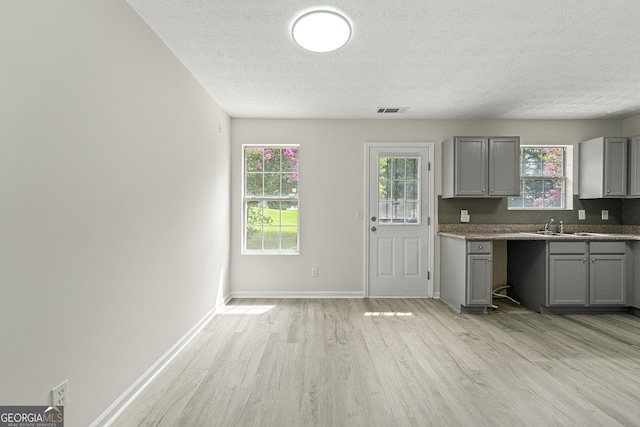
(399, 234)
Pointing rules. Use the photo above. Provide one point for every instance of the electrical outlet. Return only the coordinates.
(464, 215)
(605, 215)
(60, 394)
(314, 272)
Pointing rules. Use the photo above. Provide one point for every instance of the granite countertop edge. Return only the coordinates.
(532, 236)
(529, 232)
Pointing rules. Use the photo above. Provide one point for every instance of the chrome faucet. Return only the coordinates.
(547, 225)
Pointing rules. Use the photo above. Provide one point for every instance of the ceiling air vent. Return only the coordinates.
(392, 110)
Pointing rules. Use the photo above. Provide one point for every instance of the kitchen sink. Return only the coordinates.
(542, 233)
(555, 234)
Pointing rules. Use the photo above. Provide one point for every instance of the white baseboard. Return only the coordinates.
(250, 294)
(122, 402)
(436, 295)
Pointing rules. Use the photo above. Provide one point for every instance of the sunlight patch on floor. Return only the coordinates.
(387, 314)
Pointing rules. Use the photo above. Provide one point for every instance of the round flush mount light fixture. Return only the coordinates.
(321, 31)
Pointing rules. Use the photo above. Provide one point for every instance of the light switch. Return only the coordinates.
(581, 214)
(605, 215)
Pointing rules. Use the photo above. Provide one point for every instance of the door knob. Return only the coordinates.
(373, 229)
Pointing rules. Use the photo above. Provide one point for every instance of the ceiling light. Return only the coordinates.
(321, 31)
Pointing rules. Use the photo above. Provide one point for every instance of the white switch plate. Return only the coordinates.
(605, 215)
(314, 271)
(359, 213)
(581, 214)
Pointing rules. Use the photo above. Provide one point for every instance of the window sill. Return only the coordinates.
(270, 253)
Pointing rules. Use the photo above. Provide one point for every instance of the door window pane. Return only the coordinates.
(398, 167)
(399, 182)
(384, 212)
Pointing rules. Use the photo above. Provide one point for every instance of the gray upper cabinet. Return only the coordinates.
(603, 168)
(504, 167)
(634, 167)
(480, 167)
(470, 167)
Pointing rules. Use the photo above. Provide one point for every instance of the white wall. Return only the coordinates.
(332, 188)
(114, 202)
(631, 126)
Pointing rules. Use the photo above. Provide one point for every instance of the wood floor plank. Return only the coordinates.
(396, 362)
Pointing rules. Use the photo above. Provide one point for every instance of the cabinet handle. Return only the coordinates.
(593, 260)
(584, 260)
(480, 247)
(489, 260)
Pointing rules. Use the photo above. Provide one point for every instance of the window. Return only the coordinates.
(399, 190)
(544, 178)
(270, 199)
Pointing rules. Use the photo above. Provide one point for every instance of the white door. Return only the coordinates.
(398, 226)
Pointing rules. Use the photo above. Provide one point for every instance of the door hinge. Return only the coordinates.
(428, 166)
(428, 275)
(429, 220)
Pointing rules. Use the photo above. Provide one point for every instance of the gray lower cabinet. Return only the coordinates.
(607, 273)
(466, 274)
(587, 275)
(568, 278)
(561, 276)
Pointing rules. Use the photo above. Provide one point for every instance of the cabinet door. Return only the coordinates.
(568, 280)
(479, 279)
(470, 167)
(634, 167)
(607, 279)
(615, 167)
(504, 167)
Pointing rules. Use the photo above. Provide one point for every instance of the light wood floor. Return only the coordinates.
(330, 362)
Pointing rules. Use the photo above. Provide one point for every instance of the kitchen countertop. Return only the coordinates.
(534, 236)
(529, 232)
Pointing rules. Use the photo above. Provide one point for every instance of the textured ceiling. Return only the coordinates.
(445, 59)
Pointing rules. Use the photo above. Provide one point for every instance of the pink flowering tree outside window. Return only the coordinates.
(271, 175)
(542, 179)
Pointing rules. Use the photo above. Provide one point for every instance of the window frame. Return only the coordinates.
(567, 177)
(245, 199)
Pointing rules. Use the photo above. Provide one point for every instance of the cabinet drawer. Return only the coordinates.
(479, 247)
(567, 247)
(607, 247)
